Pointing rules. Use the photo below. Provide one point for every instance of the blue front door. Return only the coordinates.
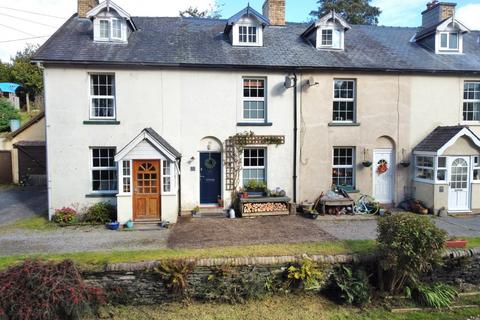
(210, 177)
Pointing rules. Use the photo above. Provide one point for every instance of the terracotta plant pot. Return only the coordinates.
(456, 243)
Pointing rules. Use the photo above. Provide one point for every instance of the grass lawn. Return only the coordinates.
(303, 307)
(94, 260)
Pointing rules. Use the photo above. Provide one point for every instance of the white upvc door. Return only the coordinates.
(459, 187)
(384, 183)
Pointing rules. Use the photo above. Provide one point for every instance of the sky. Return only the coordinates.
(34, 21)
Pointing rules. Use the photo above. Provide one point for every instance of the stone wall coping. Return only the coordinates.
(278, 260)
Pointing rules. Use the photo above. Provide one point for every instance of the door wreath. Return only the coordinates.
(382, 167)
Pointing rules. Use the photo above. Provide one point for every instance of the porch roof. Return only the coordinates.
(155, 139)
(442, 137)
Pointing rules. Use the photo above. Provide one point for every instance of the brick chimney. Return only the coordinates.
(274, 10)
(437, 12)
(84, 6)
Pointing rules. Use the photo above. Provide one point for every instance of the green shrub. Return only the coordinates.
(233, 286)
(174, 275)
(100, 213)
(350, 286)
(65, 216)
(409, 245)
(436, 295)
(7, 113)
(255, 185)
(307, 275)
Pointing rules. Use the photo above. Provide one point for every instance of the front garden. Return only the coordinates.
(408, 252)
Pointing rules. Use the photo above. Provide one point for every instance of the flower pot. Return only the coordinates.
(456, 243)
(129, 224)
(405, 164)
(255, 194)
(113, 225)
(367, 164)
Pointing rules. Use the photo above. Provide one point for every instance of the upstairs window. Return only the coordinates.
(116, 29)
(327, 37)
(449, 41)
(102, 96)
(254, 100)
(111, 29)
(105, 29)
(247, 34)
(344, 101)
(471, 101)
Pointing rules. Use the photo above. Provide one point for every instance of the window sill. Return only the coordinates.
(101, 195)
(344, 124)
(101, 122)
(254, 124)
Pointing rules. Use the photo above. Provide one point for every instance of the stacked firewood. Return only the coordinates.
(264, 207)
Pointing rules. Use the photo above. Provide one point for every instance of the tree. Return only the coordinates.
(25, 73)
(353, 11)
(214, 12)
(5, 72)
(7, 113)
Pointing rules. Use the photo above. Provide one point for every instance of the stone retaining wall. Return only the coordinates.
(136, 283)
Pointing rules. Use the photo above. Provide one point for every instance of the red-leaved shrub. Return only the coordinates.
(65, 216)
(40, 290)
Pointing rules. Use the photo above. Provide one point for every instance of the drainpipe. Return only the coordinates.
(179, 187)
(295, 129)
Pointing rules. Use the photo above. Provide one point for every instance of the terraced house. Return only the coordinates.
(142, 111)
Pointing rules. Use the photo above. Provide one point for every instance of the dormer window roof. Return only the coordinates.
(111, 23)
(246, 28)
(444, 37)
(328, 32)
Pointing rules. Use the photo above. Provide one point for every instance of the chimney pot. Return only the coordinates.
(84, 6)
(274, 10)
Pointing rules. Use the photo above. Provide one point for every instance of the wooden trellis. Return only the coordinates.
(243, 140)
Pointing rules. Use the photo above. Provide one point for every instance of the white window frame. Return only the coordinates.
(170, 175)
(447, 48)
(249, 34)
(254, 99)
(264, 167)
(476, 167)
(106, 97)
(433, 168)
(109, 29)
(112, 30)
(353, 99)
(123, 176)
(100, 168)
(235, 36)
(469, 101)
(346, 166)
(321, 37)
(438, 168)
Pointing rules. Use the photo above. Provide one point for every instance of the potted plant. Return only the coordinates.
(255, 188)
(455, 243)
(195, 210)
(367, 163)
(220, 202)
(405, 163)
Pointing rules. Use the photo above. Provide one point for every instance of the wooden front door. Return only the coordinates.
(146, 190)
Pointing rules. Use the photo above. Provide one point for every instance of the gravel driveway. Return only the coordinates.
(80, 239)
(367, 229)
(22, 202)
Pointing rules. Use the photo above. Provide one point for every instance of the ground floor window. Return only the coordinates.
(127, 180)
(476, 169)
(424, 168)
(442, 169)
(343, 168)
(104, 170)
(254, 164)
(167, 176)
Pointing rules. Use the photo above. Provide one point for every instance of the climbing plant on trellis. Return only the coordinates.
(234, 147)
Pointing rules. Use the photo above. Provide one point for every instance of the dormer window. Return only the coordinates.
(246, 28)
(328, 32)
(449, 41)
(110, 23)
(247, 34)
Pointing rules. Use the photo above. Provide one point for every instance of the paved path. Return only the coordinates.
(80, 239)
(367, 229)
(22, 202)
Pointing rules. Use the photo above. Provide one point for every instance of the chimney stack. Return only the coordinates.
(84, 6)
(274, 10)
(437, 12)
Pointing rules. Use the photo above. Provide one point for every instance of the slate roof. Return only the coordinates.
(194, 42)
(163, 142)
(439, 137)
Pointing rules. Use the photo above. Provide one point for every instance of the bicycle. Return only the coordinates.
(366, 205)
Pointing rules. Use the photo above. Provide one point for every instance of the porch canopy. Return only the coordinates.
(431, 154)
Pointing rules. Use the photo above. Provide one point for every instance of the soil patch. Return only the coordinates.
(215, 232)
